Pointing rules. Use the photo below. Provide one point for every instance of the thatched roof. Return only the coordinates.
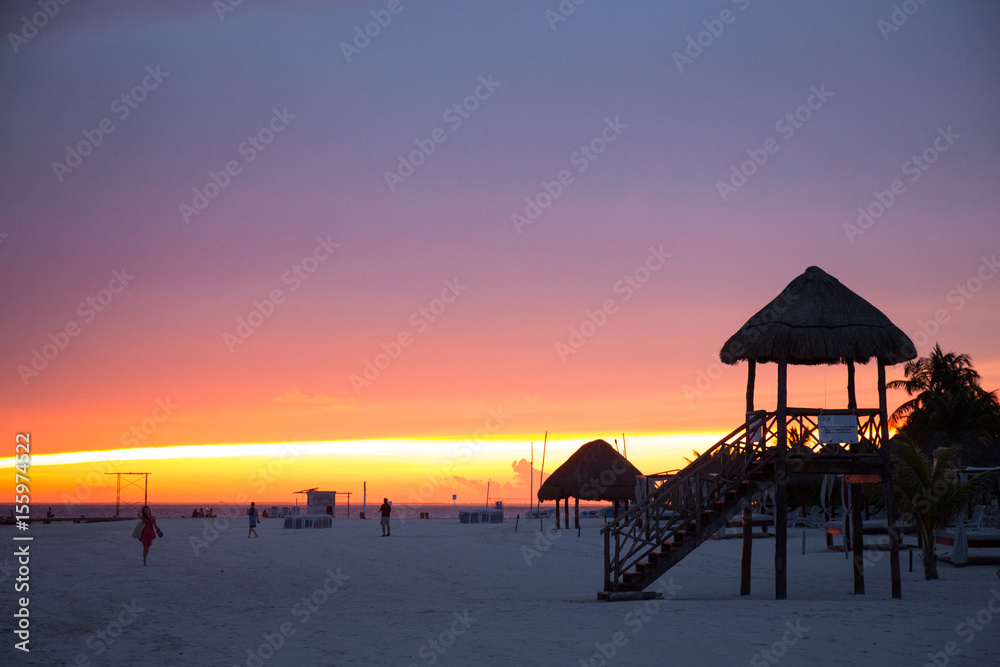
(596, 471)
(816, 320)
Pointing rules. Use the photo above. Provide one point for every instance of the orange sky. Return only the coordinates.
(604, 315)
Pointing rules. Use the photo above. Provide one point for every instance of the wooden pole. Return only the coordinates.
(890, 499)
(541, 473)
(607, 559)
(781, 489)
(566, 506)
(745, 563)
(852, 399)
(857, 519)
(576, 508)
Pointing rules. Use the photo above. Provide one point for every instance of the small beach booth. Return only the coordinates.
(814, 320)
(596, 471)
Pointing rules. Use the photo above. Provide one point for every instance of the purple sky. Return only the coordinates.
(888, 97)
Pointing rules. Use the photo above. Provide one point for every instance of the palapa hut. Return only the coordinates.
(596, 471)
(817, 320)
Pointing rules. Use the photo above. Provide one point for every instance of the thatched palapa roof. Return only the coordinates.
(816, 320)
(596, 471)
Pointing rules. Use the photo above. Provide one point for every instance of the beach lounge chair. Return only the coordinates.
(976, 522)
(814, 519)
(794, 516)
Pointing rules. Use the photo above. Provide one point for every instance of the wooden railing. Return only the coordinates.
(744, 454)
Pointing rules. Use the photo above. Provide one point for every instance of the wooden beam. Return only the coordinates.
(890, 499)
(857, 520)
(576, 509)
(857, 538)
(852, 398)
(781, 489)
(747, 550)
(745, 563)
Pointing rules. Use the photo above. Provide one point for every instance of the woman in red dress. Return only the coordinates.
(149, 531)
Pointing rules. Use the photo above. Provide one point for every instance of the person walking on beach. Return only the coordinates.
(386, 510)
(253, 521)
(149, 530)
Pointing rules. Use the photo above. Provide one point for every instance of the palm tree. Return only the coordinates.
(947, 399)
(928, 491)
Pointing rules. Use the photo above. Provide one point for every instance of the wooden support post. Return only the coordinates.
(557, 514)
(698, 509)
(566, 515)
(607, 559)
(858, 539)
(781, 489)
(747, 550)
(857, 519)
(852, 399)
(576, 512)
(890, 500)
(745, 563)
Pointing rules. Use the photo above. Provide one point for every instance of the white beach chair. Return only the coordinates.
(976, 522)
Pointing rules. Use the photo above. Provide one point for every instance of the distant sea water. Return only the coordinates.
(171, 511)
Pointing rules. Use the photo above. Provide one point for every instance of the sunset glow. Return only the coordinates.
(229, 242)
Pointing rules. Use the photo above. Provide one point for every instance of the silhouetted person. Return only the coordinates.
(149, 530)
(254, 518)
(386, 510)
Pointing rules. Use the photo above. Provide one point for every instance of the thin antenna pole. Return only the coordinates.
(531, 478)
(624, 447)
(541, 473)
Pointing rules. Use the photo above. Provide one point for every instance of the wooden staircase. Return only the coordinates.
(688, 508)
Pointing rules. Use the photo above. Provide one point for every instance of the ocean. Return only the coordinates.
(342, 511)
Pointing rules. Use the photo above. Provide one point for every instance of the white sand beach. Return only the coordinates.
(438, 592)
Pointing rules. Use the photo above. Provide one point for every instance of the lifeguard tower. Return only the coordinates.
(815, 320)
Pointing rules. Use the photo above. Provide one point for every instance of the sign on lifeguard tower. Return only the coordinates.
(838, 429)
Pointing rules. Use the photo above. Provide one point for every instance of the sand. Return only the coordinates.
(438, 592)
